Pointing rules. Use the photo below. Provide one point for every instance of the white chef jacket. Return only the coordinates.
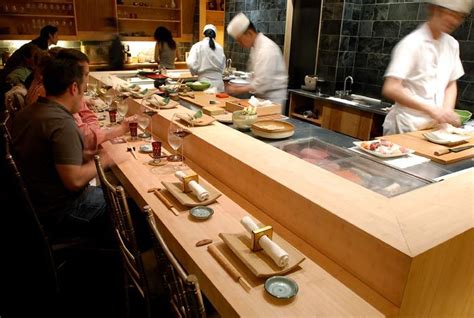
(425, 66)
(270, 76)
(206, 63)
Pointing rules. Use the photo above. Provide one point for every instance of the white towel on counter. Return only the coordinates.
(276, 253)
(257, 103)
(201, 193)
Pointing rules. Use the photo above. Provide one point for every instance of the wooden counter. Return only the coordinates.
(412, 252)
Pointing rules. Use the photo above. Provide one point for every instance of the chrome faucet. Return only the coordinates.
(345, 92)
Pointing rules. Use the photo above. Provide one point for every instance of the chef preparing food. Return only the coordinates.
(270, 76)
(422, 74)
(207, 60)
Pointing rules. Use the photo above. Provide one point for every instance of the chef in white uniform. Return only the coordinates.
(270, 75)
(207, 60)
(422, 74)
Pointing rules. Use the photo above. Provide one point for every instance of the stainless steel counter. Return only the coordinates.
(376, 108)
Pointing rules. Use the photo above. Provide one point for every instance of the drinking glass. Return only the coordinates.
(122, 108)
(133, 125)
(143, 122)
(175, 139)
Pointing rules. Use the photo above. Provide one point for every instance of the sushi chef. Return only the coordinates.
(421, 77)
(270, 75)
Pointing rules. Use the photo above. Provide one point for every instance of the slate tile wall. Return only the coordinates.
(268, 16)
(368, 32)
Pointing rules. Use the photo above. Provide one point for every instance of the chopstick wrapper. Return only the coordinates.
(276, 253)
(197, 189)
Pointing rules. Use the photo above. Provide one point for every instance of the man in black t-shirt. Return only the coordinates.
(49, 150)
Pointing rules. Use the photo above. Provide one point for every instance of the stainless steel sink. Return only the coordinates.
(366, 101)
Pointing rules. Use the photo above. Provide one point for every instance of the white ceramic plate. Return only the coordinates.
(239, 81)
(445, 138)
(382, 155)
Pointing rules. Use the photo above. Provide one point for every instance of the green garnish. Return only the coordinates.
(197, 114)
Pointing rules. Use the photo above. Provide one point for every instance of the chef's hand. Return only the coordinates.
(237, 90)
(446, 116)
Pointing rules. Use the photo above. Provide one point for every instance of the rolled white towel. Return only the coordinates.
(276, 253)
(201, 193)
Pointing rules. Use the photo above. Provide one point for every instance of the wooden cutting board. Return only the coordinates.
(190, 199)
(202, 99)
(416, 141)
(233, 106)
(259, 262)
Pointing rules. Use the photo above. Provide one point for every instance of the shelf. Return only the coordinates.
(317, 121)
(149, 20)
(35, 15)
(143, 7)
(63, 37)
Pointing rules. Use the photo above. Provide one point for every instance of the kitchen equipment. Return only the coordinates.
(310, 82)
(259, 262)
(242, 120)
(273, 129)
(229, 268)
(233, 105)
(281, 287)
(464, 114)
(415, 140)
(199, 85)
(448, 150)
(189, 198)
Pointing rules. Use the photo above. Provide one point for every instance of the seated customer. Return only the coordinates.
(49, 151)
(86, 120)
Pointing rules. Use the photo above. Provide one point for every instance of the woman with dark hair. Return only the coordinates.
(165, 48)
(48, 36)
(207, 60)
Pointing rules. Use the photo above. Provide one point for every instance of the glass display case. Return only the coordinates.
(368, 173)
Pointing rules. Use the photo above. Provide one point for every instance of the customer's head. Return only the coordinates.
(242, 30)
(49, 33)
(163, 35)
(66, 77)
(446, 16)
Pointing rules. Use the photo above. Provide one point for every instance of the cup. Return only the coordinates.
(112, 116)
(133, 125)
(156, 145)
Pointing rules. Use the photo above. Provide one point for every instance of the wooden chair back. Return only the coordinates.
(27, 239)
(15, 98)
(185, 294)
(124, 232)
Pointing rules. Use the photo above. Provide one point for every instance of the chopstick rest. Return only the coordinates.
(276, 253)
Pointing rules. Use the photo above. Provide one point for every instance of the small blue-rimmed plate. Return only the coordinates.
(146, 148)
(281, 287)
(201, 212)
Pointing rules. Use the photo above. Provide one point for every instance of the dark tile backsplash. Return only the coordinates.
(268, 16)
(358, 41)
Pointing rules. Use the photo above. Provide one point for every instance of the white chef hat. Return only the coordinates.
(462, 6)
(210, 27)
(238, 25)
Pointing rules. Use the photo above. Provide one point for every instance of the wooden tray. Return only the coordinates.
(202, 121)
(189, 199)
(233, 106)
(259, 262)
